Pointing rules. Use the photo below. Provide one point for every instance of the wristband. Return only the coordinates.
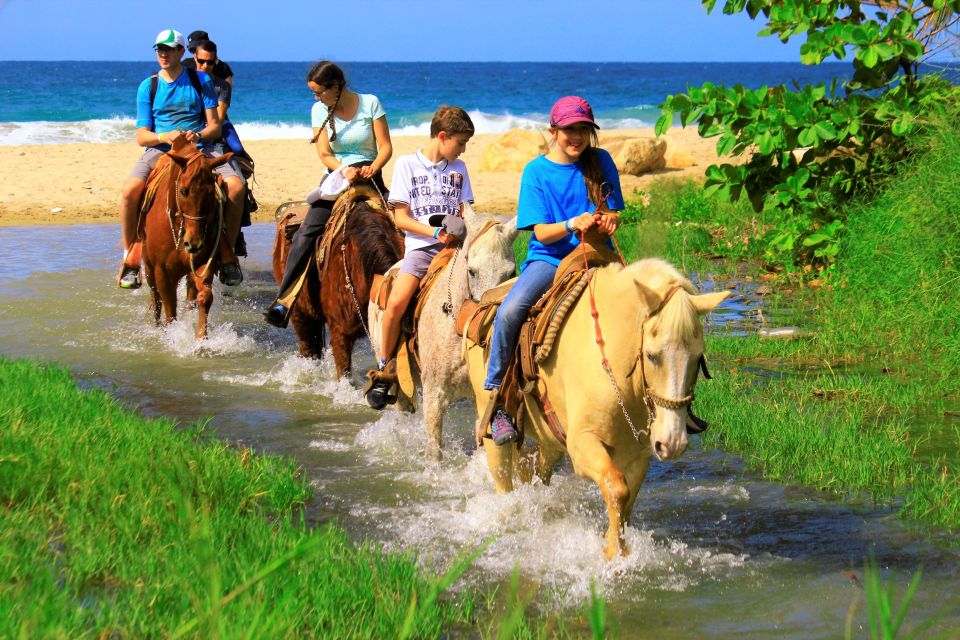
(437, 232)
(566, 225)
(160, 137)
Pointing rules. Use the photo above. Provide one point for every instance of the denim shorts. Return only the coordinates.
(418, 261)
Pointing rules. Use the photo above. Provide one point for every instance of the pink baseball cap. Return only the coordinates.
(570, 109)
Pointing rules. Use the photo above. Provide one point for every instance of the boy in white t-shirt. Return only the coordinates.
(426, 186)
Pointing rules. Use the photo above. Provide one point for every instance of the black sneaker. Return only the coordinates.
(277, 315)
(230, 274)
(130, 278)
(379, 395)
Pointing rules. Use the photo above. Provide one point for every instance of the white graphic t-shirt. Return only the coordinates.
(429, 189)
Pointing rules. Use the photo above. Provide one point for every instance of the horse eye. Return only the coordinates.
(653, 358)
(185, 191)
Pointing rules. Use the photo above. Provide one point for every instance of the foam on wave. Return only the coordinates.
(119, 129)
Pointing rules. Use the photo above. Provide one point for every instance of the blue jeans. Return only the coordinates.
(533, 282)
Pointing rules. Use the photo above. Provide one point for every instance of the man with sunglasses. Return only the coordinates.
(205, 60)
(175, 106)
(220, 69)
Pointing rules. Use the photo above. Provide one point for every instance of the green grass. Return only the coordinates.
(114, 525)
(861, 406)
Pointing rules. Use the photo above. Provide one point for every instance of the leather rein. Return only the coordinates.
(179, 212)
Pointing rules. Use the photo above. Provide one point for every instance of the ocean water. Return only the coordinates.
(69, 102)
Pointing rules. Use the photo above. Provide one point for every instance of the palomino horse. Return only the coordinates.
(182, 231)
(649, 317)
(368, 244)
(486, 261)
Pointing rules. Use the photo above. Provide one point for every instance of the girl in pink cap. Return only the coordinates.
(560, 194)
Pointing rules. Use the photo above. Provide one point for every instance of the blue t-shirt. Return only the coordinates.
(176, 105)
(552, 192)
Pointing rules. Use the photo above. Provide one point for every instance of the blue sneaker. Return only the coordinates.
(501, 428)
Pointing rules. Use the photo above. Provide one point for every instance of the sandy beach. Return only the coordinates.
(80, 183)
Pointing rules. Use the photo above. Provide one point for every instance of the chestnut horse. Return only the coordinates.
(367, 244)
(182, 229)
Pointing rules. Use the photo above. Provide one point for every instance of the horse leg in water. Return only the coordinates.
(309, 330)
(204, 300)
(341, 345)
(155, 302)
(592, 459)
(500, 463)
(191, 294)
(545, 461)
(435, 403)
(167, 289)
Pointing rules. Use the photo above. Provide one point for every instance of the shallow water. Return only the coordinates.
(716, 551)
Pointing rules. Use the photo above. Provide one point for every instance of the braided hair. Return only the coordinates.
(325, 73)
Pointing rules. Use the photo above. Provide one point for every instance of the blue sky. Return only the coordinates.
(391, 30)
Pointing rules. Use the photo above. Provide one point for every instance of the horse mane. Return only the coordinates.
(679, 316)
(375, 237)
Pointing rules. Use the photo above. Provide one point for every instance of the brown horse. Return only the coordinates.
(182, 230)
(368, 243)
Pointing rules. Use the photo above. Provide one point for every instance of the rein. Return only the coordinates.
(651, 399)
(448, 305)
(172, 214)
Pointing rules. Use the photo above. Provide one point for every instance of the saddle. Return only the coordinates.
(537, 334)
(408, 355)
(290, 217)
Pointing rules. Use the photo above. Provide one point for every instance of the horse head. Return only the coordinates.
(196, 195)
(490, 258)
(669, 348)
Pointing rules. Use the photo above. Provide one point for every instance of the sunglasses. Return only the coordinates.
(201, 62)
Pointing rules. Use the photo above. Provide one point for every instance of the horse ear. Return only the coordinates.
(650, 298)
(474, 221)
(707, 302)
(508, 230)
(213, 163)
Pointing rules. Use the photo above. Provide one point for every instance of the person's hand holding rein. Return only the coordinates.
(582, 222)
(366, 171)
(177, 138)
(608, 222)
(350, 173)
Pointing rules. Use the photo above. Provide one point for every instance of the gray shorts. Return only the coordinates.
(151, 156)
(417, 261)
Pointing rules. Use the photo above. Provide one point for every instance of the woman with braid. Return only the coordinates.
(560, 195)
(351, 134)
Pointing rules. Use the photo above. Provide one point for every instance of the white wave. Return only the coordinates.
(46, 132)
(120, 129)
(623, 123)
(272, 131)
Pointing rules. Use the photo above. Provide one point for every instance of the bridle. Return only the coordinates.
(173, 214)
(448, 305)
(650, 398)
